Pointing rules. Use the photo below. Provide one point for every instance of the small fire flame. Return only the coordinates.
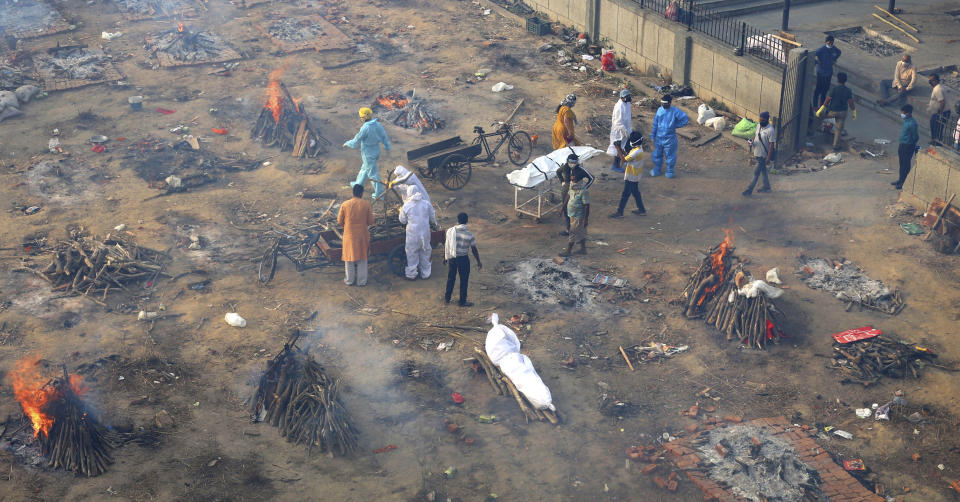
(717, 264)
(393, 101)
(180, 27)
(275, 94)
(31, 389)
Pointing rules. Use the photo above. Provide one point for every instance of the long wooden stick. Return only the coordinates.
(515, 110)
(625, 358)
(939, 217)
(885, 11)
(915, 39)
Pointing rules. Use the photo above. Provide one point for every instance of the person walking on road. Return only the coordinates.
(563, 133)
(419, 217)
(763, 145)
(909, 137)
(621, 125)
(839, 100)
(664, 135)
(939, 115)
(459, 242)
(578, 208)
(633, 171)
(356, 217)
(904, 76)
(368, 138)
(825, 57)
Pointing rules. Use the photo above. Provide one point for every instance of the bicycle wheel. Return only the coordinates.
(268, 263)
(397, 260)
(455, 172)
(519, 148)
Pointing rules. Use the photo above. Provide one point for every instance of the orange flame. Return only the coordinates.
(34, 392)
(392, 101)
(180, 27)
(717, 264)
(275, 94)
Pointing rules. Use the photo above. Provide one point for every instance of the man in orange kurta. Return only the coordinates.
(355, 217)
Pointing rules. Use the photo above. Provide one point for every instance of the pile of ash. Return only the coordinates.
(75, 64)
(187, 45)
(873, 44)
(849, 284)
(545, 281)
(758, 466)
(152, 7)
(27, 16)
(295, 30)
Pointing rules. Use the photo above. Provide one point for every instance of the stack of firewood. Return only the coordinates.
(88, 267)
(76, 441)
(296, 395)
(865, 361)
(747, 319)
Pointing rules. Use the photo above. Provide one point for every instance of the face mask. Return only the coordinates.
(903, 115)
(764, 123)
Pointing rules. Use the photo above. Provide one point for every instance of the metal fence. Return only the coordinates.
(743, 38)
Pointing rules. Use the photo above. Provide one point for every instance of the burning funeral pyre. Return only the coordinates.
(182, 45)
(727, 298)
(70, 436)
(284, 123)
(409, 113)
(296, 395)
(91, 267)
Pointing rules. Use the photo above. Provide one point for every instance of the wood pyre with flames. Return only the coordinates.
(284, 124)
(297, 396)
(70, 436)
(724, 295)
(408, 112)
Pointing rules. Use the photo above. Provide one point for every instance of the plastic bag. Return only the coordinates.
(704, 113)
(608, 60)
(745, 129)
(518, 368)
(717, 123)
(501, 86)
(501, 341)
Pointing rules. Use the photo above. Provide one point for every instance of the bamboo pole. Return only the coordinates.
(885, 11)
(915, 39)
(625, 358)
(939, 217)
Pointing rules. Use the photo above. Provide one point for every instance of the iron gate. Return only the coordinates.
(792, 106)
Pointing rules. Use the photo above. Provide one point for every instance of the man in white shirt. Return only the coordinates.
(937, 109)
(762, 147)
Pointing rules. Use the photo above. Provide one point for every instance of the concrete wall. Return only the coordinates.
(654, 44)
(935, 174)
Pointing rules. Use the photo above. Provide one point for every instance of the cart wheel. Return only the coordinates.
(425, 172)
(455, 172)
(268, 264)
(519, 148)
(397, 260)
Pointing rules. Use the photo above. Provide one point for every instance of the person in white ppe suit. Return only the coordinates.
(405, 178)
(621, 125)
(419, 217)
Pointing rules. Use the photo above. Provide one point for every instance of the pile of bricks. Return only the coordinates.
(836, 484)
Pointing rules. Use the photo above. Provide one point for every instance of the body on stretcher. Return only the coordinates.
(539, 180)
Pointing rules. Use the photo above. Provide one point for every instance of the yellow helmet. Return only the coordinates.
(366, 113)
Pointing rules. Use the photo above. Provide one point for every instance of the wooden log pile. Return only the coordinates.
(297, 396)
(410, 114)
(865, 361)
(89, 267)
(747, 319)
(503, 386)
(703, 284)
(284, 124)
(76, 441)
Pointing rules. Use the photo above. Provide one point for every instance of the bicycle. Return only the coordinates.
(296, 249)
(519, 148)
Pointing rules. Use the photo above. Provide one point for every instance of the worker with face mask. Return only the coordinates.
(664, 135)
(419, 217)
(368, 138)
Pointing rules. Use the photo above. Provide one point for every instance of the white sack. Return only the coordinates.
(717, 123)
(26, 92)
(704, 113)
(501, 341)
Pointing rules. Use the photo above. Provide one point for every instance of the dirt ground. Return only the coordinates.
(200, 371)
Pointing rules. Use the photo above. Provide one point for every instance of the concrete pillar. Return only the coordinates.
(807, 83)
(593, 20)
(682, 52)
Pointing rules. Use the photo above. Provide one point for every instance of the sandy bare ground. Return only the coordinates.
(200, 371)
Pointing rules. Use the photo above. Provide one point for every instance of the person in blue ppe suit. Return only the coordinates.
(368, 138)
(664, 135)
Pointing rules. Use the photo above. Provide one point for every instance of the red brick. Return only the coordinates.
(691, 427)
(720, 449)
(662, 483)
(672, 486)
(647, 469)
(733, 418)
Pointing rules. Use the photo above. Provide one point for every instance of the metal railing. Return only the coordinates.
(743, 38)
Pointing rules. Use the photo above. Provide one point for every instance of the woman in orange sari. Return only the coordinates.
(563, 128)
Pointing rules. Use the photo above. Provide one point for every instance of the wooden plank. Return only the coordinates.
(908, 25)
(706, 139)
(936, 222)
(688, 133)
(915, 39)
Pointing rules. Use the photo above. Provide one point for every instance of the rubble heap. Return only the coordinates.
(850, 285)
(295, 30)
(152, 7)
